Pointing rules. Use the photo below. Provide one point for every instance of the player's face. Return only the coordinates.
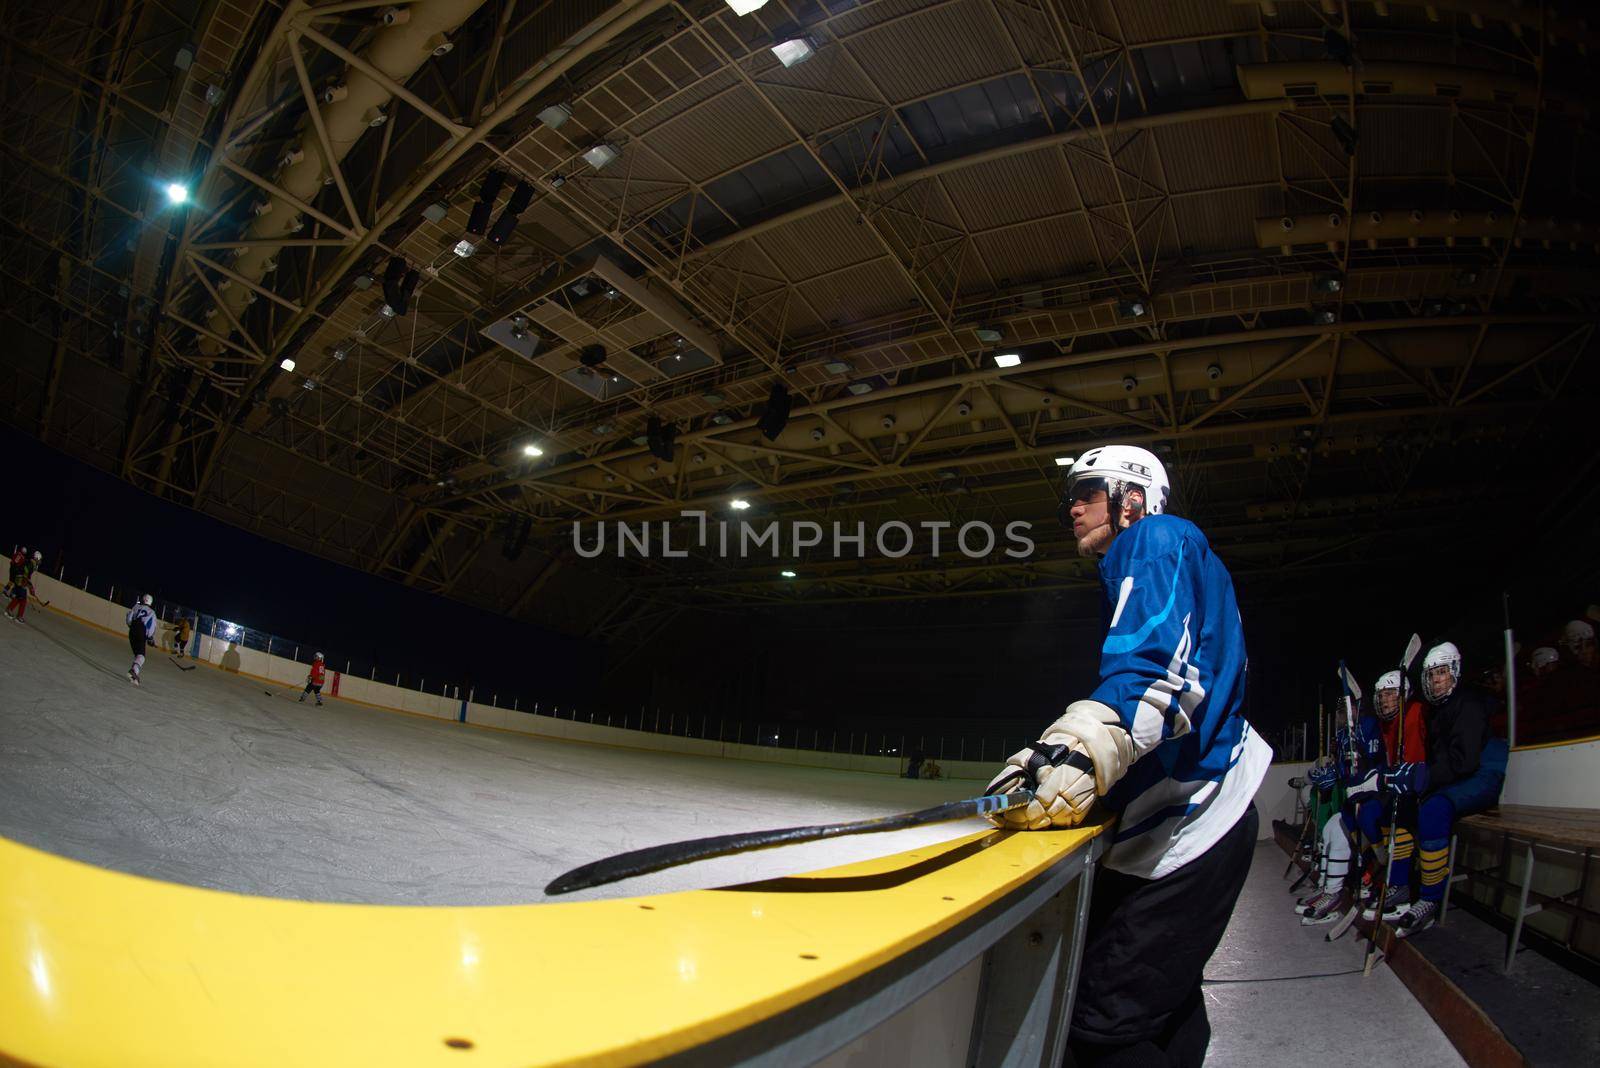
(1388, 702)
(1585, 652)
(1091, 525)
(1439, 680)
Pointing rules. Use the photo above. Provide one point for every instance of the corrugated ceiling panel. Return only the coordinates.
(824, 93)
(1412, 141)
(868, 15)
(690, 91)
(1043, 249)
(731, 129)
(1096, 183)
(863, 293)
(822, 242)
(1161, 20)
(1225, 221)
(1013, 189)
(1204, 155)
(934, 49)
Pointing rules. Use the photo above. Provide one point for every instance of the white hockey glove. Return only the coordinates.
(1080, 757)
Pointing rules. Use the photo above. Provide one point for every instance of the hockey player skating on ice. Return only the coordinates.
(1162, 742)
(314, 679)
(141, 632)
(1462, 774)
(21, 583)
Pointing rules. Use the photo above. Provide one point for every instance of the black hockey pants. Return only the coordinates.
(1139, 1001)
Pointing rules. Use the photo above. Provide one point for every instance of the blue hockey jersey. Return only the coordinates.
(1173, 666)
(1368, 752)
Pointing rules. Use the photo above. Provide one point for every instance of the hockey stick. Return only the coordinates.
(1351, 690)
(181, 667)
(1311, 807)
(655, 858)
(1413, 647)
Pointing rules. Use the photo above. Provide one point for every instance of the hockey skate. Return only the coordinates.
(1332, 910)
(1419, 917)
(1311, 901)
(1396, 900)
(133, 676)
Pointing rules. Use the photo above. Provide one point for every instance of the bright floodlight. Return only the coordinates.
(1065, 461)
(793, 51)
(465, 248)
(738, 504)
(287, 364)
(786, 573)
(600, 155)
(177, 192)
(744, 7)
(1007, 359)
(532, 450)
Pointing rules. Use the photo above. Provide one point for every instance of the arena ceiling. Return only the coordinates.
(1335, 261)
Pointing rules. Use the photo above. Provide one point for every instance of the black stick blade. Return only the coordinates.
(656, 858)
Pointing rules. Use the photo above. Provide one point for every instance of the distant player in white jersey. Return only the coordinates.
(141, 633)
(1161, 742)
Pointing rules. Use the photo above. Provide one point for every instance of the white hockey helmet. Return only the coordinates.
(147, 600)
(1390, 680)
(317, 657)
(37, 556)
(1119, 468)
(1544, 657)
(1445, 654)
(1575, 633)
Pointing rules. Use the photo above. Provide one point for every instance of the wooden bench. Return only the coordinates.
(1570, 830)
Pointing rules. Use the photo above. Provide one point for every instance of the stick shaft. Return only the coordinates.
(656, 858)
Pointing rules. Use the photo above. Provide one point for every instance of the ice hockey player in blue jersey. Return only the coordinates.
(1162, 743)
(141, 632)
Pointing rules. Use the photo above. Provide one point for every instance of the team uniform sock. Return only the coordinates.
(1434, 817)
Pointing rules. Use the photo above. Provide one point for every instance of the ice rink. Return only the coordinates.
(214, 780)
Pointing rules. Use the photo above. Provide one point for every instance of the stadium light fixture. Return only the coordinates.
(601, 155)
(739, 504)
(288, 363)
(838, 367)
(744, 7)
(464, 248)
(1066, 461)
(1132, 309)
(795, 50)
(786, 573)
(554, 115)
(532, 451)
(1007, 359)
(177, 193)
(990, 334)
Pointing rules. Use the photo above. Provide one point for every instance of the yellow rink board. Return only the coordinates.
(102, 968)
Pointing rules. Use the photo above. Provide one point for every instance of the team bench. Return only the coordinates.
(1522, 829)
